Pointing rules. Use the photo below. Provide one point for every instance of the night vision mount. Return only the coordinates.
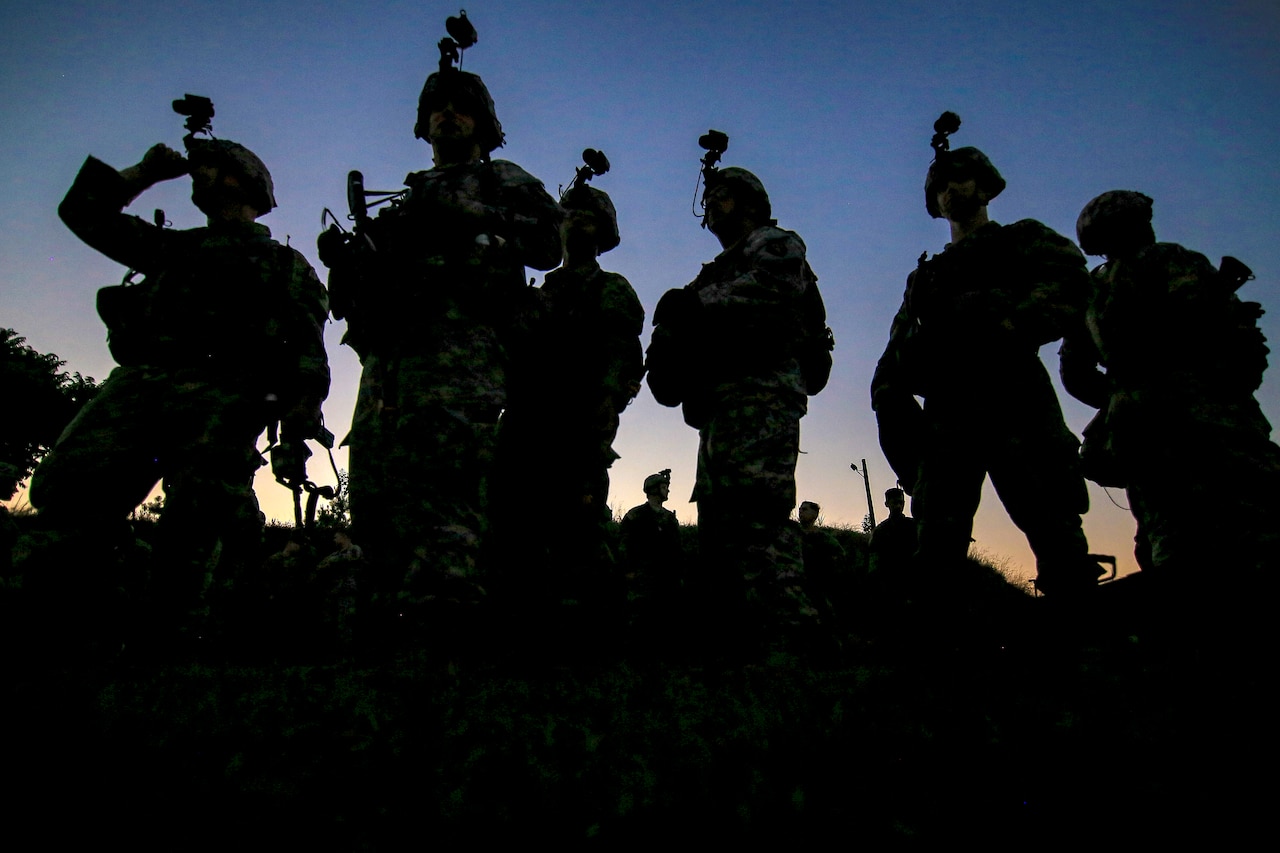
(947, 124)
(462, 35)
(715, 143)
(593, 163)
(199, 112)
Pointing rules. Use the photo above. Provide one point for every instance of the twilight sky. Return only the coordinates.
(831, 104)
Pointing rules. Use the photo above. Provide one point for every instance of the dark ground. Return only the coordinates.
(978, 713)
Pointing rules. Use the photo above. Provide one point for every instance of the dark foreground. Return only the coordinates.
(992, 717)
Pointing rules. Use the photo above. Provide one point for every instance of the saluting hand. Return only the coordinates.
(160, 163)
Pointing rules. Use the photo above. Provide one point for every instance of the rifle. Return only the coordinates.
(289, 465)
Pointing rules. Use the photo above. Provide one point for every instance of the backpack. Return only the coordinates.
(818, 342)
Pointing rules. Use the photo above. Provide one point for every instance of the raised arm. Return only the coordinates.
(93, 207)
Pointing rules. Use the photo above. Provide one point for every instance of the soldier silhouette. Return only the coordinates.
(650, 535)
(894, 541)
(966, 339)
(1183, 357)
(827, 570)
(429, 289)
(221, 337)
(735, 348)
(578, 366)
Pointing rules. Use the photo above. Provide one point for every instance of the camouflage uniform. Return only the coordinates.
(226, 334)
(653, 576)
(1182, 427)
(828, 573)
(650, 551)
(650, 537)
(577, 372)
(589, 343)
(893, 543)
(748, 410)
(966, 339)
(429, 313)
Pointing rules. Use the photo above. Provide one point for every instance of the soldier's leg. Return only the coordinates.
(1248, 493)
(103, 465)
(746, 487)
(1219, 512)
(1036, 473)
(363, 439)
(107, 459)
(79, 561)
(589, 458)
(548, 493)
(210, 527)
(211, 512)
(602, 457)
(946, 497)
(372, 490)
(529, 493)
(747, 475)
(439, 468)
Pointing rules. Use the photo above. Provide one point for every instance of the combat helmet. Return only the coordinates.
(591, 200)
(743, 185)
(451, 83)
(1114, 221)
(225, 154)
(963, 163)
(653, 481)
(461, 87)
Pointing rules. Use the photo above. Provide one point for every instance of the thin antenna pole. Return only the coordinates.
(866, 481)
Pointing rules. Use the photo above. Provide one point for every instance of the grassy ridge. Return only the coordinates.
(996, 717)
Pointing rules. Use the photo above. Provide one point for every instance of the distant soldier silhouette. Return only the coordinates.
(827, 569)
(966, 339)
(807, 514)
(577, 369)
(653, 568)
(741, 347)
(339, 576)
(894, 541)
(221, 337)
(429, 289)
(286, 568)
(650, 543)
(348, 551)
(1179, 425)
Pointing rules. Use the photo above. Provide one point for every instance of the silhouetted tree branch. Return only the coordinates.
(40, 399)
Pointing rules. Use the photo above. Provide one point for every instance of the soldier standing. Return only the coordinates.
(429, 290)
(816, 538)
(737, 343)
(653, 569)
(1183, 356)
(650, 543)
(222, 337)
(966, 339)
(827, 569)
(893, 542)
(579, 367)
